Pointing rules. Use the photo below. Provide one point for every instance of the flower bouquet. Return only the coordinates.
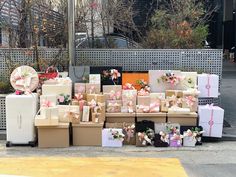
(145, 138)
(176, 139)
(112, 75)
(192, 137)
(63, 99)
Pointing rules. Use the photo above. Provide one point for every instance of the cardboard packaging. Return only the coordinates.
(79, 88)
(133, 78)
(208, 85)
(42, 121)
(92, 88)
(164, 105)
(120, 117)
(155, 117)
(211, 118)
(113, 106)
(183, 119)
(190, 101)
(53, 137)
(129, 98)
(95, 79)
(97, 100)
(57, 89)
(144, 100)
(108, 139)
(189, 80)
(68, 113)
(51, 98)
(158, 83)
(87, 134)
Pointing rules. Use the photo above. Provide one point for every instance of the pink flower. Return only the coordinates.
(115, 74)
(61, 99)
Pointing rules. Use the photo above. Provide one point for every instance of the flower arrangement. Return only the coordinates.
(63, 99)
(195, 133)
(164, 137)
(112, 74)
(172, 129)
(170, 78)
(117, 135)
(145, 88)
(146, 137)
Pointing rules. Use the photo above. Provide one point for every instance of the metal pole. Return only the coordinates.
(71, 31)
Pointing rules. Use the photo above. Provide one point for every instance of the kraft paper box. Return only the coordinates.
(113, 106)
(154, 97)
(97, 118)
(42, 121)
(120, 117)
(69, 113)
(95, 79)
(109, 88)
(97, 97)
(211, 118)
(190, 101)
(57, 89)
(87, 134)
(183, 119)
(189, 80)
(164, 105)
(208, 85)
(108, 140)
(160, 83)
(53, 137)
(93, 88)
(133, 79)
(129, 96)
(79, 88)
(144, 100)
(154, 117)
(52, 98)
(112, 92)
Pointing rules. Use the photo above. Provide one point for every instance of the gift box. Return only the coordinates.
(57, 89)
(48, 98)
(190, 100)
(183, 119)
(189, 80)
(133, 78)
(161, 80)
(109, 88)
(155, 117)
(109, 75)
(112, 92)
(165, 105)
(95, 79)
(142, 109)
(194, 128)
(112, 137)
(161, 140)
(97, 103)
(49, 112)
(143, 100)
(129, 98)
(113, 106)
(86, 114)
(68, 113)
(45, 121)
(97, 118)
(120, 117)
(99, 98)
(208, 85)
(176, 93)
(211, 118)
(79, 88)
(53, 137)
(189, 141)
(92, 88)
(87, 134)
(157, 97)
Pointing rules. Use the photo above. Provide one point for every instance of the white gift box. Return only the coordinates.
(94, 78)
(189, 80)
(156, 83)
(211, 118)
(108, 140)
(189, 141)
(208, 85)
(51, 98)
(57, 89)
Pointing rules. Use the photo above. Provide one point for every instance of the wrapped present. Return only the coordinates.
(79, 88)
(161, 80)
(208, 85)
(97, 107)
(142, 109)
(128, 86)
(189, 80)
(109, 88)
(45, 121)
(190, 100)
(97, 97)
(145, 138)
(50, 99)
(154, 97)
(165, 105)
(49, 112)
(183, 119)
(134, 79)
(93, 88)
(95, 79)
(167, 127)
(143, 100)
(113, 106)
(154, 107)
(112, 137)
(97, 117)
(211, 118)
(175, 140)
(113, 95)
(176, 93)
(161, 139)
(124, 109)
(129, 98)
(190, 137)
(120, 117)
(198, 130)
(68, 113)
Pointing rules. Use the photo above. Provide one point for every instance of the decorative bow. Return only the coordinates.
(115, 95)
(154, 107)
(95, 106)
(113, 107)
(190, 100)
(177, 137)
(78, 96)
(129, 131)
(128, 86)
(146, 137)
(47, 104)
(72, 114)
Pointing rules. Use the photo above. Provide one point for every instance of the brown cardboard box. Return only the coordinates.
(132, 140)
(144, 100)
(191, 99)
(183, 119)
(120, 117)
(87, 134)
(93, 88)
(97, 118)
(155, 117)
(53, 137)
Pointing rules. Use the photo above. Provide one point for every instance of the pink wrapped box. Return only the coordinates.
(161, 80)
(208, 85)
(211, 118)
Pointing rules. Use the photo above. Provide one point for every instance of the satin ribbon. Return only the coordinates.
(211, 122)
(114, 95)
(92, 89)
(208, 86)
(72, 114)
(47, 104)
(95, 105)
(81, 104)
(190, 100)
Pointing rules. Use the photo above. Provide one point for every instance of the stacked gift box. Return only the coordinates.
(141, 109)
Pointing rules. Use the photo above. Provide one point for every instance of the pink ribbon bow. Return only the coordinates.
(78, 96)
(47, 104)
(129, 131)
(190, 100)
(115, 74)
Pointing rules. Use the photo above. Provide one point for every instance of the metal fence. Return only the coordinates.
(201, 60)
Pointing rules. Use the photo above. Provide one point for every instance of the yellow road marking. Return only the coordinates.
(91, 167)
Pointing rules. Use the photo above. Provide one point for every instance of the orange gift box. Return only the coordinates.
(132, 78)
